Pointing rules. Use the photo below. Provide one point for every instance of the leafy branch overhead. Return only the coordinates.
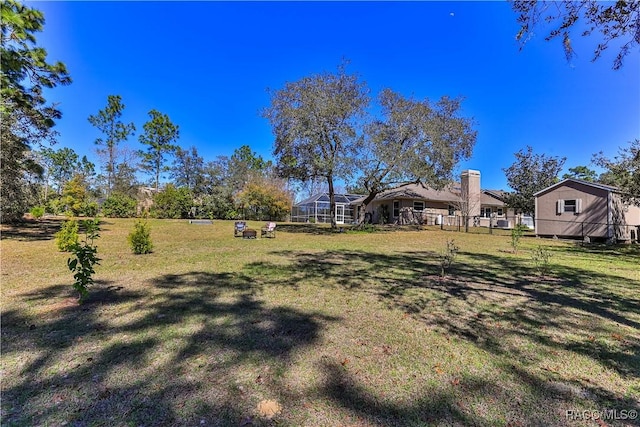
(617, 22)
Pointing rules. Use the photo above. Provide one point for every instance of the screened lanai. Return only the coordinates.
(316, 209)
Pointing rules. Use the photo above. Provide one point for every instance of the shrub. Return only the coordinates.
(67, 236)
(140, 239)
(447, 257)
(89, 209)
(85, 257)
(119, 205)
(172, 202)
(37, 212)
(541, 260)
(55, 206)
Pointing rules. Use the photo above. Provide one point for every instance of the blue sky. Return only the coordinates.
(208, 65)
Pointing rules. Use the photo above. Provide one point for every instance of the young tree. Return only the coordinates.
(108, 122)
(75, 195)
(581, 172)
(315, 127)
(623, 171)
(25, 118)
(613, 20)
(529, 174)
(467, 205)
(416, 141)
(159, 134)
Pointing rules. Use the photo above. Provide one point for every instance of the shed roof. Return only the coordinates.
(579, 181)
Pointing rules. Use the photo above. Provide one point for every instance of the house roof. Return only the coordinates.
(417, 191)
(579, 181)
(492, 197)
(496, 194)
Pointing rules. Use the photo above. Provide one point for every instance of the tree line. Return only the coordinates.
(324, 131)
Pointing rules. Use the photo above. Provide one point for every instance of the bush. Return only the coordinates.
(89, 209)
(37, 212)
(140, 239)
(172, 202)
(119, 205)
(67, 237)
(55, 205)
(85, 257)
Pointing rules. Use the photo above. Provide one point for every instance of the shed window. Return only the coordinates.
(569, 206)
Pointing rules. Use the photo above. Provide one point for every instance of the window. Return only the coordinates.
(396, 208)
(570, 205)
(452, 210)
(485, 212)
(500, 212)
(418, 206)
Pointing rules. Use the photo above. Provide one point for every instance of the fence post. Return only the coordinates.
(458, 223)
(582, 230)
(490, 226)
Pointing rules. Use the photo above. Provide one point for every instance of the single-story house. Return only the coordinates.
(573, 208)
(413, 203)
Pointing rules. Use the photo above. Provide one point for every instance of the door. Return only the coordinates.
(339, 213)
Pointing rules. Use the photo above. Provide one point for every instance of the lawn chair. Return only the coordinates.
(269, 230)
(239, 227)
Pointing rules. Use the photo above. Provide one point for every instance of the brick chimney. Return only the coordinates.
(470, 192)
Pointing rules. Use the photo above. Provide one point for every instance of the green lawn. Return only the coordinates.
(340, 329)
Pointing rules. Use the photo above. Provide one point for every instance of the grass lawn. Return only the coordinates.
(315, 328)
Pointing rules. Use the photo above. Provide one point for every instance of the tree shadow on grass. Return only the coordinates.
(42, 229)
(29, 231)
(621, 252)
(496, 303)
(173, 352)
(304, 228)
